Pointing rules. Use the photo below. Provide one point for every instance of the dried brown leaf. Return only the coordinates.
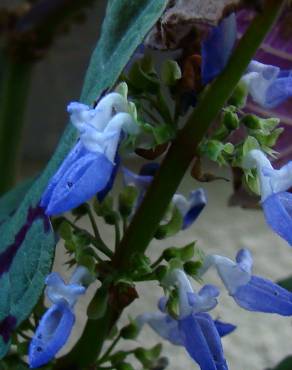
(182, 16)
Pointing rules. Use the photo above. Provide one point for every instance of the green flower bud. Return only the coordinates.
(124, 366)
(147, 356)
(192, 267)
(239, 95)
(230, 120)
(170, 72)
(130, 331)
(127, 200)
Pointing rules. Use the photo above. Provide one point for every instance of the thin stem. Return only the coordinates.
(157, 262)
(117, 234)
(104, 357)
(14, 87)
(100, 246)
(125, 224)
(94, 225)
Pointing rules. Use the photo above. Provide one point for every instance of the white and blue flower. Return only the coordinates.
(193, 328)
(217, 48)
(56, 324)
(276, 201)
(249, 291)
(90, 166)
(189, 208)
(268, 85)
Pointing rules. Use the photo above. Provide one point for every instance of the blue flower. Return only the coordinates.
(267, 84)
(193, 328)
(56, 324)
(189, 208)
(249, 291)
(192, 207)
(89, 167)
(217, 48)
(276, 201)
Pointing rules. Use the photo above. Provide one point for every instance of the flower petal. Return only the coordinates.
(217, 48)
(202, 341)
(164, 325)
(263, 295)
(52, 333)
(278, 213)
(79, 181)
(197, 202)
(224, 328)
(59, 292)
(278, 92)
(244, 260)
(76, 152)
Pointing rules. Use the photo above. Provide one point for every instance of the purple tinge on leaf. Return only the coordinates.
(217, 48)
(7, 256)
(90, 167)
(7, 326)
(52, 333)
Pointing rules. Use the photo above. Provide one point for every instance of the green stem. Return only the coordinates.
(97, 235)
(104, 357)
(14, 87)
(146, 220)
(144, 224)
(157, 262)
(118, 234)
(101, 246)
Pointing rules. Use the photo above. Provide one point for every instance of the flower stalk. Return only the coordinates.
(144, 224)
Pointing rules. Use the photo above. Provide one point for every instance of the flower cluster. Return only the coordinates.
(189, 208)
(89, 170)
(193, 328)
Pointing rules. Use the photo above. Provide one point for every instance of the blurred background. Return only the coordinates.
(260, 340)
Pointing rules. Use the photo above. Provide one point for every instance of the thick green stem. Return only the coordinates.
(172, 170)
(14, 88)
(145, 222)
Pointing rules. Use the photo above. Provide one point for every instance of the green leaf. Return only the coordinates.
(286, 283)
(250, 144)
(22, 285)
(130, 331)
(170, 72)
(184, 253)
(286, 364)
(11, 200)
(143, 77)
(239, 95)
(148, 356)
(172, 227)
(127, 200)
